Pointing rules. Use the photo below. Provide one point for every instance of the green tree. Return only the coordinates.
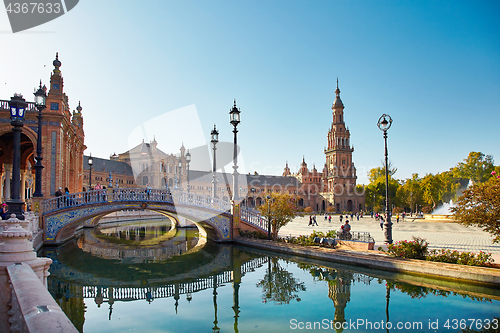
(477, 167)
(413, 193)
(431, 189)
(377, 187)
(278, 285)
(281, 209)
(479, 206)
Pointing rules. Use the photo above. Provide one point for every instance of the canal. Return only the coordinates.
(150, 277)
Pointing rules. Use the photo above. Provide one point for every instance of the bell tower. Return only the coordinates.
(340, 176)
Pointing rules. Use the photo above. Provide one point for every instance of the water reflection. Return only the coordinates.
(181, 283)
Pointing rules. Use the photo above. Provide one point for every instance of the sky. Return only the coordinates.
(170, 70)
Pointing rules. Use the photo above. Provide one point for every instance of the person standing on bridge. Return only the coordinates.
(58, 194)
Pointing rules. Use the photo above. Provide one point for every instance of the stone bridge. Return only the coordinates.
(62, 216)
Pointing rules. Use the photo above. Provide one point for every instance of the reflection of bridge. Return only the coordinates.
(63, 215)
(149, 293)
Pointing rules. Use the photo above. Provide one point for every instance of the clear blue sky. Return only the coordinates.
(434, 66)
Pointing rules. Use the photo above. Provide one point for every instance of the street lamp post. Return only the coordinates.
(268, 217)
(90, 162)
(384, 123)
(17, 106)
(179, 168)
(234, 116)
(215, 139)
(40, 97)
(188, 160)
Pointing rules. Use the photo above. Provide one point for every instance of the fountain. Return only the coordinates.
(443, 212)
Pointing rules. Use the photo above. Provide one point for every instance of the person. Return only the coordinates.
(347, 226)
(58, 194)
(397, 218)
(314, 220)
(98, 186)
(329, 218)
(357, 216)
(326, 216)
(403, 216)
(68, 200)
(382, 222)
(310, 220)
(4, 211)
(341, 216)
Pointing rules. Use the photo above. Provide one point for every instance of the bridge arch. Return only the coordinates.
(62, 216)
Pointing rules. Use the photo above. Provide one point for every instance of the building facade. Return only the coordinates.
(62, 143)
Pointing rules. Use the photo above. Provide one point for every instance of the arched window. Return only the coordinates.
(145, 180)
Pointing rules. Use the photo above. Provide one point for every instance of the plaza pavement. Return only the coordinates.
(446, 235)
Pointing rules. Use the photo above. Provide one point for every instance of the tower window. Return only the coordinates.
(54, 106)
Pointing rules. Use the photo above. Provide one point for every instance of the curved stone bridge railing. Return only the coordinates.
(254, 218)
(134, 194)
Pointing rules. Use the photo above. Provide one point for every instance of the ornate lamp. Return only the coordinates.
(40, 103)
(215, 139)
(384, 123)
(234, 119)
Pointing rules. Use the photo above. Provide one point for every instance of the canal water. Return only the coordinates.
(150, 277)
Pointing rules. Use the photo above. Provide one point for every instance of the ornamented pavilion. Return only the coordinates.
(62, 143)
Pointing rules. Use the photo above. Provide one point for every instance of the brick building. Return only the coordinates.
(62, 143)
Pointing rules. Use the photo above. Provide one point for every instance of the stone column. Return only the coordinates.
(6, 190)
(23, 185)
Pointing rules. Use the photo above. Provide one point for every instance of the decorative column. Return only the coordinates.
(8, 169)
(23, 185)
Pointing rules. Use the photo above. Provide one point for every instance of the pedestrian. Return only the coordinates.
(329, 219)
(58, 195)
(341, 216)
(310, 220)
(4, 211)
(314, 220)
(326, 216)
(382, 222)
(403, 216)
(397, 218)
(357, 216)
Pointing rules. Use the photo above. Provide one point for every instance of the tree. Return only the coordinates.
(412, 190)
(279, 285)
(431, 186)
(479, 206)
(376, 188)
(477, 167)
(281, 209)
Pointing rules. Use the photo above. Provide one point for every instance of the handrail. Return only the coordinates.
(137, 195)
(253, 217)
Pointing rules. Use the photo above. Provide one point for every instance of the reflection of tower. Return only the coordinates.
(339, 291)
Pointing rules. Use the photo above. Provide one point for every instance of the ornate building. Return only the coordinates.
(62, 143)
(334, 189)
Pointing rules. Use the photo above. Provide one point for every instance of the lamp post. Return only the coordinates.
(188, 160)
(234, 116)
(215, 139)
(90, 162)
(40, 97)
(268, 217)
(384, 123)
(178, 175)
(17, 106)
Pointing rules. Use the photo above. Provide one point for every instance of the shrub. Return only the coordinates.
(415, 249)
(462, 258)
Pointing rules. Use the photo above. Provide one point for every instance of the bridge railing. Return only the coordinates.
(135, 194)
(254, 217)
